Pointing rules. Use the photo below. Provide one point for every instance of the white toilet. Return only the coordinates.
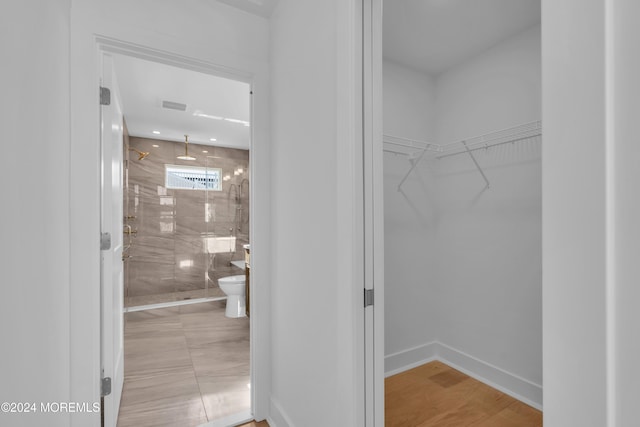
(233, 287)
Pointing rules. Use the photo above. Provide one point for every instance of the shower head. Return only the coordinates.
(141, 154)
(186, 150)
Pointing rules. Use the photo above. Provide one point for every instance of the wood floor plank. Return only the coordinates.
(256, 424)
(436, 395)
(515, 415)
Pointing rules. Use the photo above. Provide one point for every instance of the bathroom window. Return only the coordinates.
(193, 178)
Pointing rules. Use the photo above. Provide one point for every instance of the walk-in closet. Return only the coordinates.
(462, 193)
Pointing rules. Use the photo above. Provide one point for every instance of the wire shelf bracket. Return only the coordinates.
(414, 149)
(475, 162)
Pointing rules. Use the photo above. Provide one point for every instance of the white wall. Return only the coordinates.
(34, 360)
(496, 89)
(314, 304)
(410, 217)
(591, 344)
(463, 266)
(574, 214)
(626, 157)
(490, 268)
(203, 33)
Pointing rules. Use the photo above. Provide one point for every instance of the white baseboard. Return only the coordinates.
(409, 358)
(277, 417)
(515, 386)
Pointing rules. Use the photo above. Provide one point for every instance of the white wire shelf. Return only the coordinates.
(510, 135)
(416, 150)
(408, 147)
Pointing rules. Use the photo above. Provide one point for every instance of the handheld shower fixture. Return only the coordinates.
(141, 154)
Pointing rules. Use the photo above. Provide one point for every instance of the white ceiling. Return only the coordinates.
(262, 8)
(144, 85)
(435, 35)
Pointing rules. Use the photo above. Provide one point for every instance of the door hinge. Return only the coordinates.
(105, 96)
(368, 297)
(105, 387)
(105, 241)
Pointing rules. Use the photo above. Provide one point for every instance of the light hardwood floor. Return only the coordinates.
(437, 395)
(184, 366)
(256, 424)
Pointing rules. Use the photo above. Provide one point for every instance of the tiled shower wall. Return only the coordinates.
(167, 258)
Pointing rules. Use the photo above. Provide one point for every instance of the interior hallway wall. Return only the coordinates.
(410, 216)
(580, 196)
(34, 224)
(627, 211)
(304, 229)
(316, 303)
(490, 267)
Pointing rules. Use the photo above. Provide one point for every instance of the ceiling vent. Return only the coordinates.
(174, 105)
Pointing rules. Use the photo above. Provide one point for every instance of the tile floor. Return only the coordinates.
(184, 366)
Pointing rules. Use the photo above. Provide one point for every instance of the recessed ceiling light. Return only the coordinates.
(204, 151)
(156, 132)
(212, 139)
(155, 146)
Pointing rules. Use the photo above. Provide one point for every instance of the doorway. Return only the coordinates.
(186, 224)
(462, 181)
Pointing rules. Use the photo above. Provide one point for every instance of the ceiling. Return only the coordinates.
(428, 35)
(262, 8)
(217, 108)
(434, 35)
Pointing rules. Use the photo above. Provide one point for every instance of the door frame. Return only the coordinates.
(85, 301)
(373, 209)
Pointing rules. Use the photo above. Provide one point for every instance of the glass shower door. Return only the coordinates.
(223, 212)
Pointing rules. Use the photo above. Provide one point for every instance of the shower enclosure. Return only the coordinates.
(186, 221)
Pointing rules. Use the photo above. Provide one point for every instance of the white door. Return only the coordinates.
(112, 274)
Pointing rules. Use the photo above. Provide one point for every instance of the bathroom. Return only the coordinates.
(186, 223)
(185, 239)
